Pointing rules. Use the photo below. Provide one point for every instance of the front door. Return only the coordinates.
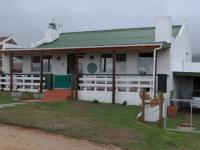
(71, 68)
(71, 63)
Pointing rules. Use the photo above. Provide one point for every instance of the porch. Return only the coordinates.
(107, 74)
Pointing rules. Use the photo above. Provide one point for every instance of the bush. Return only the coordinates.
(27, 96)
(95, 101)
(124, 103)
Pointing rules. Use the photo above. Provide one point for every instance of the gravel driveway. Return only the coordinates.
(15, 138)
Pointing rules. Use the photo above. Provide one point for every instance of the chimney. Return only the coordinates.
(52, 33)
(163, 29)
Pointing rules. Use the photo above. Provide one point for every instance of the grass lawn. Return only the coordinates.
(6, 98)
(184, 117)
(101, 123)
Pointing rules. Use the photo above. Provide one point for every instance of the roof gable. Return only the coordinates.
(107, 37)
(3, 39)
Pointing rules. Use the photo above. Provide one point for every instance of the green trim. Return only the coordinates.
(187, 74)
(62, 81)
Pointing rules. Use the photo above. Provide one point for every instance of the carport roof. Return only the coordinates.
(186, 74)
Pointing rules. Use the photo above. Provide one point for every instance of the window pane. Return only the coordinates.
(36, 59)
(121, 63)
(47, 64)
(80, 64)
(121, 57)
(47, 61)
(106, 63)
(35, 64)
(145, 63)
(17, 64)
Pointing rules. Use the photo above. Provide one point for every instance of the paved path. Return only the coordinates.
(10, 105)
(15, 138)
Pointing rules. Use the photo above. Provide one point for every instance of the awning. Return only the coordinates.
(186, 74)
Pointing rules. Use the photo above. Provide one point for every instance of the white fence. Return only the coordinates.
(99, 87)
(21, 82)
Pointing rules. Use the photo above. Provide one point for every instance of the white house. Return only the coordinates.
(108, 65)
(5, 43)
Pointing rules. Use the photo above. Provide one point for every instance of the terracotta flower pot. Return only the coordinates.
(172, 111)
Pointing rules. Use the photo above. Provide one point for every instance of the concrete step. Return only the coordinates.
(57, 95)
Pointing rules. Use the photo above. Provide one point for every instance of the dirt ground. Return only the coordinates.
(15, 138)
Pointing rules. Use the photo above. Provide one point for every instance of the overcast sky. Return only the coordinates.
(28, 19)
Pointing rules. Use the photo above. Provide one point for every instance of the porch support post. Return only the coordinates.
(113, 76)
(154, 72)
(76, 75)
(11, 71)
(41, 72)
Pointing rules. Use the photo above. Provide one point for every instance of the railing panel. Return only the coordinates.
(22, 82)
(123, 83)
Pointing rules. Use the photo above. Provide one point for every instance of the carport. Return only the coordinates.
(186, 83)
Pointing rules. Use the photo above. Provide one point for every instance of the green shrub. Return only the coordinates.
(27, 96)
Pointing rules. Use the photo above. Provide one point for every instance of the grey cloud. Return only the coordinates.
(28, 19)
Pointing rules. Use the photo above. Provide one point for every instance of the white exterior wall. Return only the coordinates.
(132, 98)
(59, 67)
(163, 66)
(132, 63)
(87, 61)
(26, 64)
(5, 63)
(163, 28)
(5, 59)
(181, 50)
(191, 67)
(178, 56)
(163, 33)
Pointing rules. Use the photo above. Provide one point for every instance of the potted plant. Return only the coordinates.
(172, 110)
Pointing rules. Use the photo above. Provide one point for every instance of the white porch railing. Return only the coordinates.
(21, 82)
(124, 83)
(99, 87)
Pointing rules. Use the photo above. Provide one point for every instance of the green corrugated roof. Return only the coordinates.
(107, 37)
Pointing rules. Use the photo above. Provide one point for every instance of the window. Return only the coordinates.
(17, 64)
(121, 63)
(47, 63)
(145, 64)
(35, 64)
(106, 63)
(80, 63)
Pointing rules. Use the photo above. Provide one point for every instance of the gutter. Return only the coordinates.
(75, 48)
(155, 68)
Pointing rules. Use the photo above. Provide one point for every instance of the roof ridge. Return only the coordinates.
(113, 30)
(109, 30)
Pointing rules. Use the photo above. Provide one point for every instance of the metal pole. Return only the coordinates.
(191, 117)
(41, 72)
(165, 114)
(154, 72)
(11, 71)
(76, 75)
